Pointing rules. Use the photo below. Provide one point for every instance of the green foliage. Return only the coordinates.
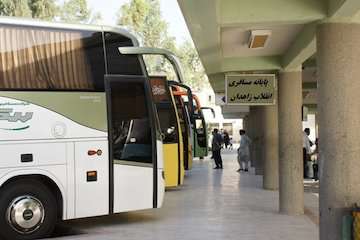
(15, 8)
(75, 11)
(43, 9)
(143, 17)
(192, 67)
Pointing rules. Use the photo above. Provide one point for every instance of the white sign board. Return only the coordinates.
(250, 89)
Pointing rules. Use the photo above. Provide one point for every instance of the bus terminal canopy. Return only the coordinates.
(228, 35)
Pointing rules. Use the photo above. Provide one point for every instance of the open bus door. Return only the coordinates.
(134, 142)
(189, 119)
(201, 141)
(199, 133)
(186, 130)
(201, 146)
(172, 134)
(161, 52)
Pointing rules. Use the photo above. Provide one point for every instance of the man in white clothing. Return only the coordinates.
(244, 152)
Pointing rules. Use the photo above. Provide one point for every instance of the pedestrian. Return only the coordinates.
(211, 137)
(226, 139)
(216, 146)
(306, 149)
(315, 153)
(244, 151)
(231, 145)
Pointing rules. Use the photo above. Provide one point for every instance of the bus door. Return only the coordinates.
(201, 136)
(134, 160)
(171, 130)
(186, 130)
(201, 144)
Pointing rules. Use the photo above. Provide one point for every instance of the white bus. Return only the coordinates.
(79, 134)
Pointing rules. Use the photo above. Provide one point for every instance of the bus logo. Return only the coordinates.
(7, 115)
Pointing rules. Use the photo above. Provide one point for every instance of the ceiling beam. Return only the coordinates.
(235, 12)
(310, 63)
(303, 48)
(343, 8)
(309, 86)
(234, 115)
(217, 82)
(251, 63)
(235, 108)
(201, 17)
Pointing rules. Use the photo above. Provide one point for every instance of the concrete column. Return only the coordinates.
(338, 53)
(271, 148)
(245, 121)
(258, 141)
(260, 136)
(250, 129)
(291, 188)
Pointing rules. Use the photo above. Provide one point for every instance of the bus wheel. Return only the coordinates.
(28, 210)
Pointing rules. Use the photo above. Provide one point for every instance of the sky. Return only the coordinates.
(169, 8)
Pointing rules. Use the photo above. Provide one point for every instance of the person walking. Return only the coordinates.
(226, 139)
(244, 151)
(306, 149)
(315, 153)
(217, 141)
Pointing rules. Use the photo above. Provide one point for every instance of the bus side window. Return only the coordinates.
(116, 62)
(168, 122)
(132, 139)
(45, 58)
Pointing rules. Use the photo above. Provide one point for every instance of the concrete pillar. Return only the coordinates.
(338, 53)
(257, 139)
(245, 124)
(259, 170)
(271, 148)
(291, 188)
(250, 129)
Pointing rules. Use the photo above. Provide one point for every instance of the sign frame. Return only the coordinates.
(274, 102)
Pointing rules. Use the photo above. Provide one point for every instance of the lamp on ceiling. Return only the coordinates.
(259, 38)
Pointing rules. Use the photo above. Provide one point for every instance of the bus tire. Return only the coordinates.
(28, 210)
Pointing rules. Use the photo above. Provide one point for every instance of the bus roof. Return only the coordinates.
(70, 26)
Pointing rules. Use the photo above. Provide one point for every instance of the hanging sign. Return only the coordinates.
(250, 89)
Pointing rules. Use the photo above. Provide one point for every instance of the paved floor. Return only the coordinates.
(213, 204)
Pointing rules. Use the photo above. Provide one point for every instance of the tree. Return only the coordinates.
(43, 9)
(77, 11)
(193, 70)
(143, 17)
(15, 8)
